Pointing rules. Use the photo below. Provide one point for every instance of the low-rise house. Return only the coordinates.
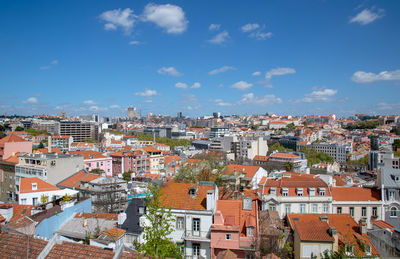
(136, 161)
(95, 160)
(235, 228)
(249, 175)
(358, 202)
(315, 234)
(11, 144)
(7, 179)
(156, 159)
(388, 182)
(131, 224)
(75, 180)
(290, 192)
(34, 191)
(385, 238)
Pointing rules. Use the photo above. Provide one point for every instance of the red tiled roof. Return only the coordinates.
(176, 195)
(261, 158)
(108, 216)
(13, 245)
(20, 211)
(13, 159)
(42, 186)
(383, 224)
(150, 149)
(114, 232)
(282, 154)
(169, 159)
(77, 250)
(75, 180)
(355, 194)
(46, 150)
(248, 170)
(11, 138)
(88, 154)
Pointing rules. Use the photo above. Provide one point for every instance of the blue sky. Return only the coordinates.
(236, 57)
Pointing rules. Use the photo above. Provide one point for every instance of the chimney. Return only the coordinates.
(362, 225)
(333, 233)
(49, 144)
(210, 200)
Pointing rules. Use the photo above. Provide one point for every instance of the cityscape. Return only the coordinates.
(194, 130)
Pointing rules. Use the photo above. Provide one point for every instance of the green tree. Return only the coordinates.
(159, 224)
(278, 147)
(88, 140)
(19, 128)
(44, 199)
(290, 126)
(289, 166)
(127, 176)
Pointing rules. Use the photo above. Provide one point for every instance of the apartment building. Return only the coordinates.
(337, 151)
(63, 143)
(216, 132)
(80, 131)
(52, 127)
(7, 179)
(156, 159)
(12, 144)
(388, 182)
(95, 160)
(290, 192)
(136, 161)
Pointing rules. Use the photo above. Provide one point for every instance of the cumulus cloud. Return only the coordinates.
(31, 100)
(257, 73)
(241, 85)
(259, 35)
(368, 77)
(119, 18)
(367, 16)
(250, 27)
(185, 86)
(115, 106)
(134, 42)
(89, 102)
(189, 99)
(321, 95)
(169, 71)
(265, 100)
(220, 102)
(50, 65)
(147, 93)
(221, 70)
(214, 27)
(280, 71)
(388, 106)
(54, 62)
(220, 38)
(169, 17)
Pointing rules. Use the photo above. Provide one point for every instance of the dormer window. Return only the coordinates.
(397, 178)
(367, 249)
(321, 191)
(250, 231)
(34, 186)
(349, 249)
(272, 191)
(311, 191)
(285, 192)
(299, 191)
(192, 191)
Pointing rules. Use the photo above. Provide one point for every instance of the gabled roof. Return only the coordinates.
(176, 195)
(151, 149)
(283, 154)
(46, 150)
(88, 154)
(13, 159)
(114, 232)
(74, 180)
(169, 159)
(248, 170)
(77, 250)
(261, 158)
(11, 138)
(355, 194)
(14, 245)
(42, 186)
(383, 224)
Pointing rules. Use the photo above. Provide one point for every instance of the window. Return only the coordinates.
(196, 226)
(352, 211)
(272, 190)
(272, 207)
(302, 208)
(349, 249)
(196, 249)
(391, 195)
(375, 212)
(287, 208)
(321, 191)
(367, 249)
(339, 210)
(249, 256)
(141, 210)
(180, 222)
(228, 236)
(363, 211)
(34, 186)
(393, 212)
(250, 231)
(285, 192)
(34, 201)
(192, 191)
(299, 191)
(23, 201)
(311, 191)
(315, 208)
(326, 207)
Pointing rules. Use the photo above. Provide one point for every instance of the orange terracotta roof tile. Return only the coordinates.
(151, 149)
(261, 158)
(383, 224)
(282, 154)
(11, 138)
(20, 211)
(46, 150)
(169, 159)
(77, 250)
(75, 180)
(13, 159)
(114, 232)
(108, 216)
(14, 245)
(355, 194)
(88, 154)
(26, 185)
(248, 170)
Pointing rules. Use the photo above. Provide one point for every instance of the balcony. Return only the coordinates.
(196, 236)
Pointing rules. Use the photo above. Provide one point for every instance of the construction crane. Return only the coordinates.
(62, 114)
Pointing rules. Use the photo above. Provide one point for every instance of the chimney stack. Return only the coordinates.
(362, 224)
(49, 144)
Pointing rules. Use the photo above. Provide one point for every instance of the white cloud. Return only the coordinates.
(169, 17)
(367, 16)
(119, 18)
(220, 102)
(94, 108)
(185, 86)
(134, 42)
(388, 106)
(368, 77)
(196, 85)
(51, 65)
(214, 27)
(147, 93)
(241, 85)
(148, 101)
(260, 35)
(322, 95)
(31, 100)
(261, 100)
(221, 70)
(169, 71)
(280, 71)
(115, 106)
(89, 102)
(250, 27)
(220, 38)
(257, 73)
(181, 85)
(54, 62)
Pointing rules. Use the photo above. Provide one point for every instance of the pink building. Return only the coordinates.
(235, 228)
(95, 160)
(12, 144)
(135, 161)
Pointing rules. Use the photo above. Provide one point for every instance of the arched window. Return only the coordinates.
(393, 212)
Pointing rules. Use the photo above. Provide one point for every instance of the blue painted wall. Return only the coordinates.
(48, 226)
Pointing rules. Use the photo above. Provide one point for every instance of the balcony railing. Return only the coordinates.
(196, 235)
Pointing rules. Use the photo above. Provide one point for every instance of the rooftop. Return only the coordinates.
(27, 184)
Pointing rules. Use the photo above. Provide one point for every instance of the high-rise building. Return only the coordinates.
(131, 112)
(79, 130)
